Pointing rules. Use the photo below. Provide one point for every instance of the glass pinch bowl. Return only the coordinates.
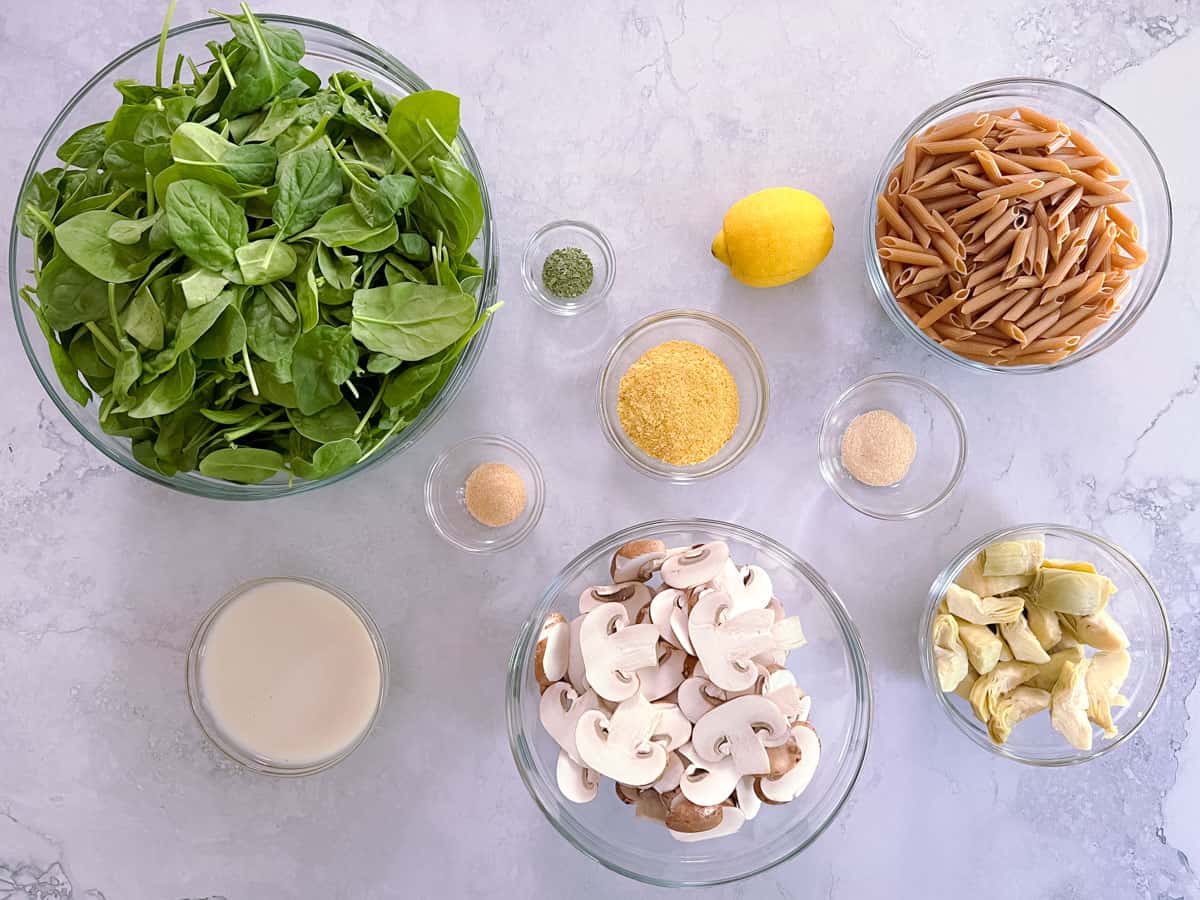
(329, 49)
(941, 445)
(1136, 606)
(559, 235)
(831, 667)
(1113, 134)
(726, 341)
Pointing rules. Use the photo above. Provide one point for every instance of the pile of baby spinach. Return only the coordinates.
(253, 271)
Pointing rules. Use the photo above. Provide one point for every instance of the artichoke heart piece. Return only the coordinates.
(970, 606)
(983, 646)
(964, 687)
(1014, 557)
(1023, 642)
(1099, 630)
(1044, 624)
(971, 578)
(990, 687)
(1015, 706)
(949, 657)
(1069, 564)
(1071, 592)
(1047, 673)
(1106, 673)
(1069, 705)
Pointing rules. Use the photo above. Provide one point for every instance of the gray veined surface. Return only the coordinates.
(647, 119)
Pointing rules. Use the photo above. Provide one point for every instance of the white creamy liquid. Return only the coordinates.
(289, 673)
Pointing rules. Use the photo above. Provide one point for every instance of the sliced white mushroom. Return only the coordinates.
(696, 565)
(697, 696)
(674, 729)
(726, 644)
(731, 820)
(666, 675)
(577, 783)
(613, 651)
(576, 671)
(619, 745)
(672, 774)
(680, 612)
(792, 702)
(805, 709)
(637, 560)
(661, 607)
(741, 729)
(559, 711)
(747, 801)
(552, 653)
(709, 783)
(633, 595)
(749, 587)
(791, 784)
(686, 818)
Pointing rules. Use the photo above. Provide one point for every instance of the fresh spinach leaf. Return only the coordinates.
(410, 321)
(204, 224)
(242, 465)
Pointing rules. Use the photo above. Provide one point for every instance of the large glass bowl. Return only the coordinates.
(1136, 605)
(831, 667)
(1113, 134)
(330, 49)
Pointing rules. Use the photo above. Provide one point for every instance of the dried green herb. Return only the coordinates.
(567, 272)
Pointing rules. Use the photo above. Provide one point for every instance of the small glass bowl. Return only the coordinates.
(1136, 605)
(208, 722)
(556, 236)
(1113, 134)
(445, 501)
(941, 445)
(831, 667)
(723, 339)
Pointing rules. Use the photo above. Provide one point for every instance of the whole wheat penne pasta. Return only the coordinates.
(1122, 221)
(1091, 185)
(933, 176)
(908, 166)
(971, 180)
(1122, 262)
(1041, 251)
(1036, 163)
(1077, 161)
(1012, 331)
(957, 126)
(1053, 292)
(925, 162)
(998, 247)
(881, 230)
(999, 226)
(1115, 277)
(954, 145)
(1106, 199)
(993, 336)
(1014, 188)
(896, 254)
(919, 233)
(980, 226)
(1046, 357)
(1120, 184)
(922, 215)
(1050, 188)
(1004, 122)
(928, 274)
(1028, 139)
(1057, 144)
(1035, 315)
(1089, 290)
(1006, 164)
(1024, 282)
(948, 254)
(907, 275)
(946, 330)
(909, 310)
(984, 273)
(1024, 176)
(889, 214)
(1020, 218)
(1036, 329)
(1062, 342)
(1086, 147)
(1101, 247)
(991, 169)
(1060, 233)
(1026, 303)
(984, 286)
(1087, 225)
(951, 202)
(996, 311)
(914, 289)
(1062, 211)
(899, 243)
(943, 308)
(1135, 250)
(949, 232)
(1042, 121)
(976, 209)
(1017, 256)
(1063, 267)
(1069, 324)
(984, 299)
(942, 189)
(972, 345)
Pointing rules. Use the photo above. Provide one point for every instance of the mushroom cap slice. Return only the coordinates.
(791, 784)
(1069, 705)
(747, 801)
(732, 819)
(726, 644)
(671, 776)
(741, 729)
(661, 679)
(674, 729)
(576, 670)
(686, 817)
(792, 702)
(696, 565)
(577, 783)
(613, 651)
(619, 745)
(637, 560)
(633, 595)
(748, 586)
(709, 784)
(661, 607)
(697, 696)
(552, 652)
(559, 711)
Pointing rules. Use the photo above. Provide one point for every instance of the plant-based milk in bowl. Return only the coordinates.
(287, 675)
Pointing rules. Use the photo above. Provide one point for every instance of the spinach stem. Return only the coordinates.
(237, 433)
(120, 199)
(41, 216)
(362, 423)
(102, 338)
(351, 388)
(150, 198)
(162, 43)
(379, 443)
(249, 370)
(342, 165)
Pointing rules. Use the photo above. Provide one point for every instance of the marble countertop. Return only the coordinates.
(648, 119)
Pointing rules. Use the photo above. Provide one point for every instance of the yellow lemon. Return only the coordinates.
(774, 236)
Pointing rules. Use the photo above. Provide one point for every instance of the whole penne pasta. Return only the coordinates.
(1017, 256)
(896, 254)
(944, 308)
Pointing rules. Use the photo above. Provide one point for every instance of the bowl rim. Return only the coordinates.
(522, 654)
(536, 493)
(1120, 326)
(611, 426)
(192, 482)
(968, 726)
(960, 425)
(546, 300)
(229, 748)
